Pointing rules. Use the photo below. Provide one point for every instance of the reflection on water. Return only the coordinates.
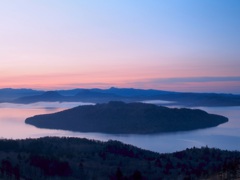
(225, 136)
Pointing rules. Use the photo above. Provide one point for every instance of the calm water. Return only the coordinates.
(225, 136)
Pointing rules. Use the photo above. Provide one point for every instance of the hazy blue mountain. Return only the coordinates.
(70, 92)
(82, 95)
(131, 92)
(201, 99)
(95, 96)
(48, 96)
(8, 94)
(119, 94)
(132, 118)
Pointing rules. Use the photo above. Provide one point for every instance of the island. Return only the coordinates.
(118, 117)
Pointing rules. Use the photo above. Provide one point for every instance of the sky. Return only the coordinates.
(187, 45)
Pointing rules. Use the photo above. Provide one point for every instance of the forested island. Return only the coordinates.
(75, 158)
(127, 118)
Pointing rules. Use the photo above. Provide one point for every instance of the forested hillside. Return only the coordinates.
(74, 158)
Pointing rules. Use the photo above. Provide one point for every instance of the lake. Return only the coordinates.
(225, 136)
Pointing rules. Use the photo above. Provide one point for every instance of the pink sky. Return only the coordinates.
(60, 44)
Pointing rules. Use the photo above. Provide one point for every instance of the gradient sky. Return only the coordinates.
(187, 45)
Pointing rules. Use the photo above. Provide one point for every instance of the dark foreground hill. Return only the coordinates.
(74, 158)
(133, 118)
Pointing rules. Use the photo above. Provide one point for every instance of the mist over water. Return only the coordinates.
(225, 136)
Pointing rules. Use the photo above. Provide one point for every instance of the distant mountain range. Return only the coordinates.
(118, 94)
(9, 94)
(127, 118)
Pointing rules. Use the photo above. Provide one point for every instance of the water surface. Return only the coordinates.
(225, 136)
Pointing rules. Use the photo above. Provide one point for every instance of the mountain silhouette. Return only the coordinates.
(119, 94)
(95, 96)
(9, 94)
(48, 96)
